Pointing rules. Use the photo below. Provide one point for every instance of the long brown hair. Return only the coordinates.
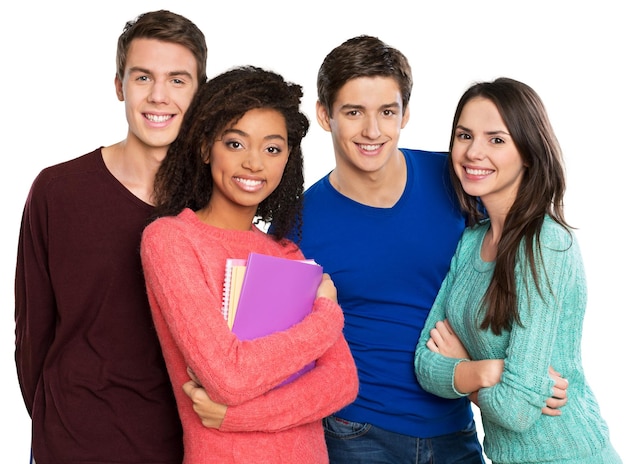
(540, 193)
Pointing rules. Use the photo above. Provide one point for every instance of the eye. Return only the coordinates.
(497, 140)
(274, 150)
(233, 144)
(463, 136)
(143, 78)
(388, 112)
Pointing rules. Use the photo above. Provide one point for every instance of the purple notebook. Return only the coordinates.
(276, 293)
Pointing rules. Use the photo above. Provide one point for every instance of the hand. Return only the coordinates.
(559, 394)
(327, 288)
(444, 341)
(211, 414)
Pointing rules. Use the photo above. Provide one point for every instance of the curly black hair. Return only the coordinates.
(184, 179)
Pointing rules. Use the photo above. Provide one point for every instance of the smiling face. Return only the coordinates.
(247, 163)
(159, 83)
(484, 156)
(365, 123)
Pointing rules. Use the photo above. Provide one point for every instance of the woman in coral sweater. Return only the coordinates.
(238, 161)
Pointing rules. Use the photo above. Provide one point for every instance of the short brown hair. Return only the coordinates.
(362, 56)
(168, 27)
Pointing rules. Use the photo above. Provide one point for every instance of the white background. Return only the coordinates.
(58, 65)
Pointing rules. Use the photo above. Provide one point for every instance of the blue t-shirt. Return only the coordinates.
(388, 265)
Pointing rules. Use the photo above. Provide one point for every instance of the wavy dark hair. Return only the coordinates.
(184, 179)
(540, 193)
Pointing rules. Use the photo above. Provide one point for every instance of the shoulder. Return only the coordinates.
(473, 234)
(318, 187)
(167, 228)
(88, 162)
(425, 157)
(556, 237)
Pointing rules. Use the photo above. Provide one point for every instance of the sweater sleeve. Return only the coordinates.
(185, 298)
(35, 307)
(435, 372)
(515, 403)
(328, 387)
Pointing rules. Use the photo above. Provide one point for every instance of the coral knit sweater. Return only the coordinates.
(184, 261)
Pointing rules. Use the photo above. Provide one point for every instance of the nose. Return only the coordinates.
(475, 150)
(158, 92)
(253, 160)
(371, 129)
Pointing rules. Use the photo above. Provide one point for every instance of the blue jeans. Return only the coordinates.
(359, 443)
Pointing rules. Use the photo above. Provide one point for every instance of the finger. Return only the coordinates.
(550, 412)
(559, 393)
(561, 383)
(555, 404)
(448, 326)
(442, 327)
(436, 336)
(432, 346)
(189, 387)
(553, 373)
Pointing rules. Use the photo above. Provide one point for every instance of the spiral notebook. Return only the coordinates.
(266, 294)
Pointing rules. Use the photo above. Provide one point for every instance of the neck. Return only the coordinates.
(381, 188)
(227, 218)
(134, 167)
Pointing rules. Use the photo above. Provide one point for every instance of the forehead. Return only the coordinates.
(160, 57)
(480, 111)
(260, 121)
(368, 92)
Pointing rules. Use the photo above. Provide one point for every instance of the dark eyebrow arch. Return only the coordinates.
(244, 134)
(138, 69)
(350, 106)
(495, 132)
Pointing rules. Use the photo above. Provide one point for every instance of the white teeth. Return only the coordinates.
(249, 182)
(478, 172)
(158, 118)
(370, 147)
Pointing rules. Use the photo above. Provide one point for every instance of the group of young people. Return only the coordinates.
(450, 277)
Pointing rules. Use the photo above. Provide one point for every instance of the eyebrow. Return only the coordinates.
(350, 106)
(138, 69)
(245, 134)
(495, 132)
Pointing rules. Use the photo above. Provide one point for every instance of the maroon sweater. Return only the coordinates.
(88, 359)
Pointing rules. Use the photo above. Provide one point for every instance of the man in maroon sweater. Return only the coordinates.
(88, 359)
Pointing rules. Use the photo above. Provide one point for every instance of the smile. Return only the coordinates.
(478, 172)
(157, 117)
(370, 147)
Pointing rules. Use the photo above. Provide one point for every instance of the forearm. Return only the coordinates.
(331, 385)
(471, 376)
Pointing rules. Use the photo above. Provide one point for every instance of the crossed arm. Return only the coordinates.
(470, 376)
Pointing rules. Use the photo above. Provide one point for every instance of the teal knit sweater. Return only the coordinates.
(549, 335)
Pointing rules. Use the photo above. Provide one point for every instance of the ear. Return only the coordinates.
(206, 152)
(406, 116)
(119, 91)
(323, 118)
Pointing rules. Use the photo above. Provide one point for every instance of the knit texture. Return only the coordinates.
(184, 262)
(549, 335)
(88, 359)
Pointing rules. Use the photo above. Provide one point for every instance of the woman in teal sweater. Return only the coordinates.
(512, 305)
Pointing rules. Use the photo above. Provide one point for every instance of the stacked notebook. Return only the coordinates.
(266, 294)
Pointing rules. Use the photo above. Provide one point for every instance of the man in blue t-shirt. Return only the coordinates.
(384, 224)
